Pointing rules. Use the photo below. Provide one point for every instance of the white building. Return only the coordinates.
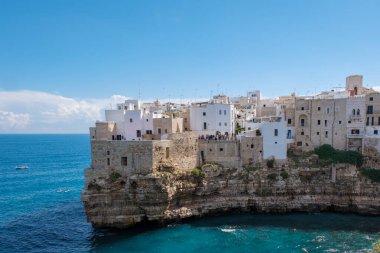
(276, 136)
(208, 118)
(131, 120)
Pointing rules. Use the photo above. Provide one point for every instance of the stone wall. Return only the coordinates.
(251, 150)
(224, 152)
(124, 157)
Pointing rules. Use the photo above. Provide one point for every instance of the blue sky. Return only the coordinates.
(92, 50)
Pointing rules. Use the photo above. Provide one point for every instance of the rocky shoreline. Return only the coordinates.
(116, 201)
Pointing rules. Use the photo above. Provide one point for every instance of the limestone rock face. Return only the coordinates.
(113, 200)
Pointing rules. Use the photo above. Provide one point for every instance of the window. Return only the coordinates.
(167, 152)
(147, 120)
(317, 133)
(108, 161)
(299, 144)
(204, 113)
(302, 133)
(220, 123)
(302, 108)
(108, 152)
(148, 131)
(159, 131)
(289, 121)
(220, 112)
(302, 122)
(370, 109)
(326, 134)
(353, 112)
(376, 132)
(372, 121)
(340, 122)
(358, 112)
(276, 132)
(124, 161)
(367, 123)
(325, 123)
(378, 121)
(319, 122)
(355, 131)
(225, 112)
(130, 120)
(252, 146)
(221, 149)
(289, 135)
(225, 123)
(370, 98)
(138, 133)
(204, 125)
(166, 131)
(319, 108)
(328, 110)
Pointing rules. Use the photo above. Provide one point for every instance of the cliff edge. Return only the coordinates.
(167, 194)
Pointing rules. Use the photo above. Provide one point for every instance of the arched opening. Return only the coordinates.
(353, 112)
(358, 112)
(356, 90)
(303, 120)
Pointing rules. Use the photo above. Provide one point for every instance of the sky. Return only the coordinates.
(62, 62)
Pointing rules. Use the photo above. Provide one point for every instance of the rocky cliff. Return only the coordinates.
(112, 200)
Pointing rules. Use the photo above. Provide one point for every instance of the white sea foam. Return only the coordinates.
(228, 230)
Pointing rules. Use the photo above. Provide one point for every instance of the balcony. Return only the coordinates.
(355, 135)
(356, 117)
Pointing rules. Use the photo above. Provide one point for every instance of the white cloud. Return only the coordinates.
(40, 112)
(13, 120)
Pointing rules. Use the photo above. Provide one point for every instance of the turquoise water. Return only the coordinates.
(41, 211)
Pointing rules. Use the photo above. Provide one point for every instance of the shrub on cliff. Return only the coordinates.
(372, 174)
(94, 186)
(114, 176)
(197, 172)
(328, 153)
(272, 176)
(284, 175)
(270, 163)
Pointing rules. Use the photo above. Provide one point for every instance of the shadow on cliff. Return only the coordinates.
(292, 221)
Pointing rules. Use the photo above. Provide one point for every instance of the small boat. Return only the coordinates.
(22, 167)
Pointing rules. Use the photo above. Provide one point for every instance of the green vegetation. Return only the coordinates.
(284, 175)
(330, 155)
(272, 176)
(114, 176)
(197, 172)
(270, 163)
(94, 186)
(372, 174)
(250, 168)
(208, 164)
(239, 128)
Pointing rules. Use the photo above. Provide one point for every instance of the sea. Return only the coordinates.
(41, 211)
